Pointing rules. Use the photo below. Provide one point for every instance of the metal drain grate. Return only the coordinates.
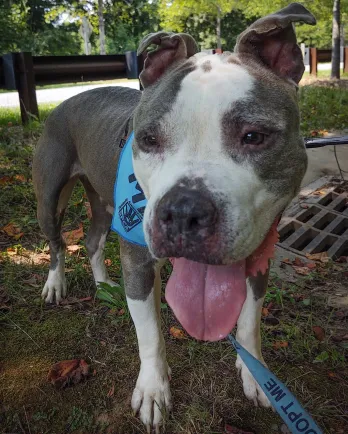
(318, 223)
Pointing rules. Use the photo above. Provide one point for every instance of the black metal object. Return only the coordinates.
(326, 141)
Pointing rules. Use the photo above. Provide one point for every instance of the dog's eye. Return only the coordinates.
(150, 141)
(253, 138)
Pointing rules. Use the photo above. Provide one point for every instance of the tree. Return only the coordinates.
(101, 27)
(336, 40)
(175, 15)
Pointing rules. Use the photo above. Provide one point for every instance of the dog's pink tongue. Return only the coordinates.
(206, 299)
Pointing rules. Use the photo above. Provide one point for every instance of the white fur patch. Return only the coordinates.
(98, 265)
(196, 151)
(55, 286)
(248, 335)
(152, 392)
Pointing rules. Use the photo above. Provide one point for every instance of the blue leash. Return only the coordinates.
(282, 400)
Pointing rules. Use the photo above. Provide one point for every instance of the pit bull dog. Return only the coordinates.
(218, 154)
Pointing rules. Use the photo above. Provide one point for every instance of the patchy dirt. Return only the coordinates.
(207, 392)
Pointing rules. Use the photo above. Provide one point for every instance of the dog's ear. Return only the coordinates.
(272, 40)
(171, 48)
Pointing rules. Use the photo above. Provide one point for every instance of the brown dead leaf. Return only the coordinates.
(120, 312)
(319, 333)
(12, 230)
(280, 344)
(304, 271)
(20, 178)
(177, 333)
(265, 311)
(73, 248)
(311, 265)
(68, 372)
(111, 392)
(108, 262)
(12, 251)
(319, 193)
(298, 262)
(72, 237)
(322, 257)
(5, 180)
(88, 210)
(286, 261)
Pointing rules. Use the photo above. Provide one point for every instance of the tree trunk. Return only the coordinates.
(336, 40)
(101, 27)
(218, 27)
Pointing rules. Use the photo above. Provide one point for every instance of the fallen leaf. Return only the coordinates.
(9, 124)
(20, 178)
(111, 392)
(319, 333)
(286, 261)
(94, 373)
(233, 430)
(12, 251)
(311, 265)
(68, 372)
(88, 210)
(72, 237)
(319, 193)
(120, 312)
(73, 248)
(333, 375)
(322, 257)
(108, 262)
(298, 262)
(265, 312)
(13, 231)
(177, 333)
(298, 297)
(280, 344)
(5, 180)
(304, 271)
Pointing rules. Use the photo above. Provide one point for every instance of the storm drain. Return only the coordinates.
(317, 223)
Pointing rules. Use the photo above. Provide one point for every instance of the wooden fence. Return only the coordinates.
(324, 56)
(22, 72)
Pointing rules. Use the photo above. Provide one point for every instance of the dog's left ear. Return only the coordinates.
(272, 40)
(171, 48)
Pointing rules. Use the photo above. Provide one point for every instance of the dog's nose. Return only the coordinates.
(186, 211)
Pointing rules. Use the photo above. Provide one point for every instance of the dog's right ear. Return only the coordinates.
(171, 48)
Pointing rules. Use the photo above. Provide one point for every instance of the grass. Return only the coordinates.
(206, 389)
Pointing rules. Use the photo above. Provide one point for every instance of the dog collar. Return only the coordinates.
(129, 199)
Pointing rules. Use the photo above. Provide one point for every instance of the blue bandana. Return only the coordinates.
(129, 199)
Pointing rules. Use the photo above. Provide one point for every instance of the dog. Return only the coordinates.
(219, 155)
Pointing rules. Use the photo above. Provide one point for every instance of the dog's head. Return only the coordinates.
(217, 149)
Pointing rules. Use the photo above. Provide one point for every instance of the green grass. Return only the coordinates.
(323, 109)
(11, 116)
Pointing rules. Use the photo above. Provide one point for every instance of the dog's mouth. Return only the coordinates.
(208, 299)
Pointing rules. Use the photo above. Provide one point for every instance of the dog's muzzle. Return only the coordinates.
(185, 221)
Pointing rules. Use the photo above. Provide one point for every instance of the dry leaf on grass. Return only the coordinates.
(280, 344)
(319, 333)
(304, 271)
(68, 372)
(322, 257)
(177, 333)
(72, 237)
(298, 262)
(286, 261)
(73, 248)
(108, 262)
(265, 311)
(12, 231)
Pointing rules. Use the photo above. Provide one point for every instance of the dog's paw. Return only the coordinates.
(152, 397)
(251, 389)
(55, 287)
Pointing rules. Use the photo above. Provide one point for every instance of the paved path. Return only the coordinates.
(10, 99)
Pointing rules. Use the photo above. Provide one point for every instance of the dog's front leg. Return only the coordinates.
(249, 336)
(151, 396)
